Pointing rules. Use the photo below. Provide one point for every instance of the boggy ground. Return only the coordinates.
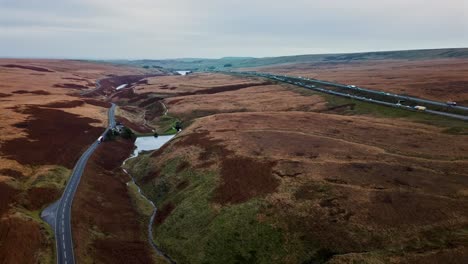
(437, 79)
(45, 126)
(277, 174)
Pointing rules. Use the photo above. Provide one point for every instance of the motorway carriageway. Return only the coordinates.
(299, 81)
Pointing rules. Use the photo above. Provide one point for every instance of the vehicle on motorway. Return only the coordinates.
(100, 139)
(420, 108)
(351, 86)
(452, 103)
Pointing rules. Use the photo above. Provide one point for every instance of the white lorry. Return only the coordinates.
(420, 108)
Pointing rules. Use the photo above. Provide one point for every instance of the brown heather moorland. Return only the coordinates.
(261, 173)
(203, 94)
(271, 173)
(437, 79)
(107, 228)
(45, 126)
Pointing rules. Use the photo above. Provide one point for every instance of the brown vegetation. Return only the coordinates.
(133, 126)
(71, 86)
(42, 126)
(8, 194)
(253, 99)
(106, 226)
(97, 103)
(438, 79)
(338, 186)
(11, 173)
(201, 83)
(107, 85)
(20, 233)
(163, 213)
(37, 197)
(36, 92)
(243, 179)
(32, 68)
(57, 135)
(65, 104)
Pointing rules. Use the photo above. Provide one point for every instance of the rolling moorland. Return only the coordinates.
(45, 126)
(262, 172)
(273, 173)
(241, 62)
(436, 79)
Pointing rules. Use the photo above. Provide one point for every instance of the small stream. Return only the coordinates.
(147, 144)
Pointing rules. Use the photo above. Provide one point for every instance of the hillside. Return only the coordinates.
(275, 174)
(436, 79)
(230, 62)
(45, 125)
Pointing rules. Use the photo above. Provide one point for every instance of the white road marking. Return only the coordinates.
(72, 186)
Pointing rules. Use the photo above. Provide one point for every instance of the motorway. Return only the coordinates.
(299, 81)
(396, 96)
(58, 215)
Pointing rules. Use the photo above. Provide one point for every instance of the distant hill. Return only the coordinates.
(245, 62)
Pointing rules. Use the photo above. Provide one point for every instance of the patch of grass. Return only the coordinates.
(138, 167)
(166, 125)
(56, 178)
(198, 231)
(366, 108)
(142, 205)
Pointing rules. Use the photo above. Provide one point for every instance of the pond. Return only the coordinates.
(183, 72)
(150, 143)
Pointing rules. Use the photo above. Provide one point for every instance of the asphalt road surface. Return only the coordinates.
(58, 215)
(396, 96)
(300, 82)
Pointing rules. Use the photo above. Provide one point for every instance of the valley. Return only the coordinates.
(261, 172)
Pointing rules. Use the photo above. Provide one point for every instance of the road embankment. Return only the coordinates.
(106, 225)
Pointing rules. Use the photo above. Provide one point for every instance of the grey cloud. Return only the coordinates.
(213, 28)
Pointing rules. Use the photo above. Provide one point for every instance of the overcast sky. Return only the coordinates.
(155, 29)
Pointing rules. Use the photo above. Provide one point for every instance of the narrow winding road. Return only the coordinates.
(58, 215)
